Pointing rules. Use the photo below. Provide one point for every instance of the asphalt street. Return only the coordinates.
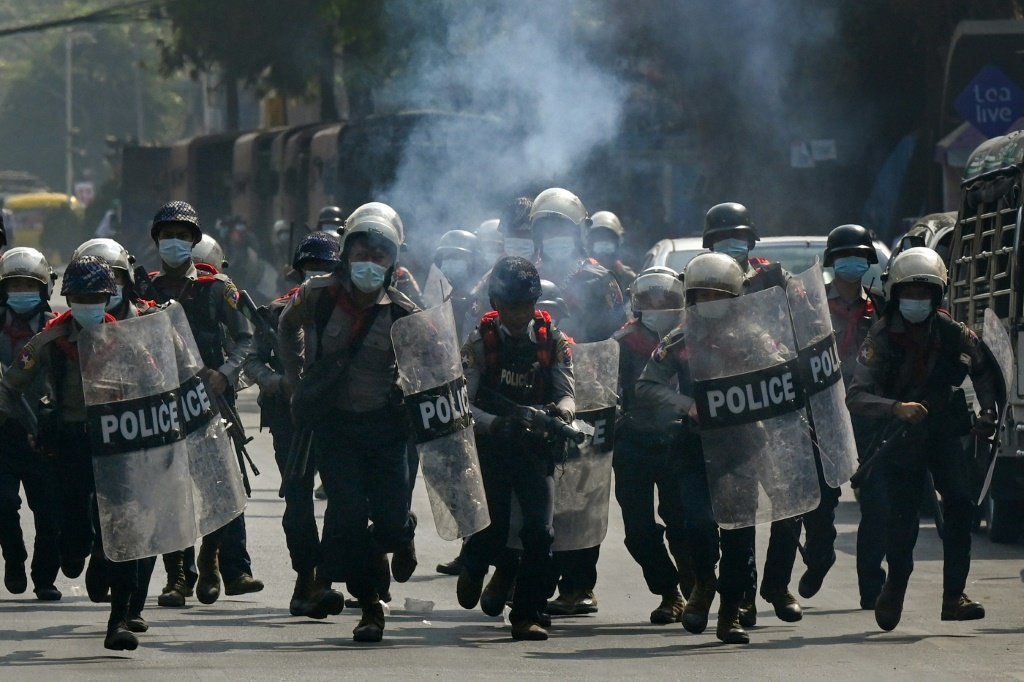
(254, 637)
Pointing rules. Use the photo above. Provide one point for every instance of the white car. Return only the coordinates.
(796, 254)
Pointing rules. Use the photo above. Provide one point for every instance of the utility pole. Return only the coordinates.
(69, 171)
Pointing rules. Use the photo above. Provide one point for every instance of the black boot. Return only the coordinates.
(371, 625)
(960, 607)
(468, 589)
(173, 594)
(498, 591)
(324, 601)
(15, 579)
(453, 567)
(301, 601)
(695, 613)
(670, 610)
(889, 607)
(729, 628)
(97, 584)
(119, 637)
(786, 606)
(208, 585)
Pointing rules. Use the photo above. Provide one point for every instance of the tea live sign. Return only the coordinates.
(991, 102)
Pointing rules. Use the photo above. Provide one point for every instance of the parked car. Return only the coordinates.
(796, 254)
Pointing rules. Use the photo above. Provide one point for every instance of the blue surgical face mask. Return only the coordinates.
(456, 270)
(850, 268)
(915, 310)
(175, 252)
(87, 314)
(23, 302)
(516, 246)
(116, 299)
(603, 248)
(661, 322)
(559, 248)
(737, 249)
(367, 276)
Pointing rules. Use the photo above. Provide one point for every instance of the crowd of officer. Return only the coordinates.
(526, 289)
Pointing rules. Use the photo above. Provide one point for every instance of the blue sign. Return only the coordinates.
(991, 102)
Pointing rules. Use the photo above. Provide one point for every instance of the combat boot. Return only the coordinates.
(302, 594)
(208, 585)
(729, 628)
(695, 613)
(453, 567)
(15, 579)
(468, 588)
(786, 607)
(748, 613)
(811, 580)
(243, 584)
(120, 638)
(498, 591)
(48, 593)
(960, 607)
(173, 594)
(324, 601)
(670, 610)
(526, 629)
(889, 607)
(371, 625)
(136, 623)
(97, 585)
(403, 562)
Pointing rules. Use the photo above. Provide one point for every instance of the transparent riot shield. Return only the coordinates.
(998, 342)
(583, 485)
(583, 482)
(822, 376)
(436, 396)
(437, 289)
(146, 416)
(750, 403)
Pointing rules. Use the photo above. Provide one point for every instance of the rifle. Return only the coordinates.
(297, 462)
(540, 423)
(233, 425)
(882, 447)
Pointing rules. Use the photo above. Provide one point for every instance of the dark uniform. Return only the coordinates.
(925, 363)
(21, 465)
(265, 368)
(851, 323)
(53, 353)
(224, 339)
(535, 370)
(361, 451)
(623, 274)
(656, 395)
(643, 461)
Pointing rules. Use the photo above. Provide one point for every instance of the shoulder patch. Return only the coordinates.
(868, 351)
(563, 351)
(231, 293)
(27, 357)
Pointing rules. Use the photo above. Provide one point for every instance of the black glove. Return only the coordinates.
(507, 428)
(985, 424)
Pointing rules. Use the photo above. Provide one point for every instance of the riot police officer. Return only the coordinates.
(558, 219)
(729, 229)
(208, 251)
(909, 366)
(26, 282)
(492, 242)
(88, 285)
(404, 282)
(642, 460)
(604, 244)
(126, 302)
(709, 278)
(515, 357)
(317, 255)
(457, 256)
(850, 252)
(224, 338)
(331, 219)
(360, 435)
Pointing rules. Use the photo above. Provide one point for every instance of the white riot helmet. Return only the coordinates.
(714, 272)
(111, 252)
(492, 241)
(657, 298)
(23, 261)
(381, 211)
(209, 251)
(379, 222)
(560, 203)
(917, 265)
(606, 220)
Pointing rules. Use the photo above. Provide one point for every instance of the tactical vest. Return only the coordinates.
(201, 307)
(942, 369)
(519, 370)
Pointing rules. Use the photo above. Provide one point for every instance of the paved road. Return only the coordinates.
(253, 637)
